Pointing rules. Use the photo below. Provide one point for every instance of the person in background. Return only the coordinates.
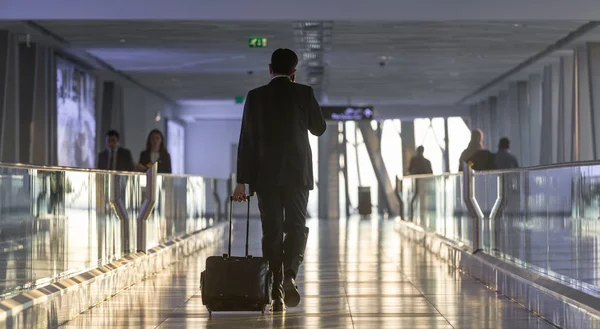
(504, 159)
(155, 152)
(476, 144)
(482, 160)
(114, 157)
(419, 164)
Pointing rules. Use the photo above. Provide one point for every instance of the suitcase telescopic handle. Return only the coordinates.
(231, 222)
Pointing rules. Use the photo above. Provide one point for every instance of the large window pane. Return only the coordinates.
(391, 149)
(459, 137)
(426, 136)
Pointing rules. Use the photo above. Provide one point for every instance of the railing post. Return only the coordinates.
(116, 204)
(472, 205)
(217, 199)
(495, 211)
(147, 207)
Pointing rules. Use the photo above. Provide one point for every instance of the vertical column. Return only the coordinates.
(37, 93)
(515, 101)
(502, 114)
(492, 106)
(9, 98)
(583, 106)
(594, 91)
(111, 110)
(548, 123)
(446, 147)
(105, 107)
(27, 86)
(329, 155)
(565, 109)
(408, 143)
(555, 109)
(523, 123)
(484, 115)
(475, 119)
(51, 93)
(535, 119)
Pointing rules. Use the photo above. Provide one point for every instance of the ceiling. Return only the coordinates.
(425, 62)
(261, 10)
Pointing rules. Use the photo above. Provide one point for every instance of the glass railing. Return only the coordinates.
(58, 222)
(435, 204)
(544, 219)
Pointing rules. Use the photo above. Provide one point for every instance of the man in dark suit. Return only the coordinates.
(275, 160)
(114, 157)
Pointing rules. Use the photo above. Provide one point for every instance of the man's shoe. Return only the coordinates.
(277, 289)
(278, 306)
(292, 296)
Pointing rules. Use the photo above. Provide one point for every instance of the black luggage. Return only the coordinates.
(236, 283)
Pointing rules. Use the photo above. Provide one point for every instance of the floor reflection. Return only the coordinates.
(358, 273)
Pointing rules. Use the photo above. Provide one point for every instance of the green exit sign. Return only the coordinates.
(257, 42)
(239, 99)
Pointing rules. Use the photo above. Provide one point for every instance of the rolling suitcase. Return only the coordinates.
(236, 283)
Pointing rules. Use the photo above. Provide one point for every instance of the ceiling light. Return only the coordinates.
(122, 41)
(518, 25)
(157, 117)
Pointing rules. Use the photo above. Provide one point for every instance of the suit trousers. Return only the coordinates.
(283, 217)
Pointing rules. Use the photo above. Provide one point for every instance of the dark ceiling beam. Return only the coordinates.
(558, 45)
(101, 63)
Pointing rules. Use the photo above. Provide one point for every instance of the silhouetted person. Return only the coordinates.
(419, 164)
(475, 145)
(504, 159)
(114, 157)
(155, 152)
(482, 160)
(275, 159)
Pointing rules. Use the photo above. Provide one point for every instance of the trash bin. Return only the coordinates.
(364, 200)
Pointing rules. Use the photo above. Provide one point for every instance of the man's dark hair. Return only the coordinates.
(504, 143)
(111, 133)
(420, 149)
(284, 61)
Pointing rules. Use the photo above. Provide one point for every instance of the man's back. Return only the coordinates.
(505, 160)
(274, 149)
(482, 160)
(419, 165)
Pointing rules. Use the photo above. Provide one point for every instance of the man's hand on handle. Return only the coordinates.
(239, 193)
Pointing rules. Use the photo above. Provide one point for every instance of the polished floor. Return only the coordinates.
(357, 273)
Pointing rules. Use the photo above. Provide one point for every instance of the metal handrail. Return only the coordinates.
(58, 168)
(508, 171)
(92, 170)
(541, 167)
(419, 176)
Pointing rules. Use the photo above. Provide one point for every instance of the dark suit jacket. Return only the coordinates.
(124, 160)
(482, 160)
(419, 165)
(164, 161)
(273, 149)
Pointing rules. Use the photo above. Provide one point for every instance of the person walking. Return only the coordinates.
(275, 161)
